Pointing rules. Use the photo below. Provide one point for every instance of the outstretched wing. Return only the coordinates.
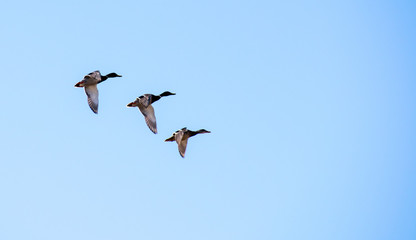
(149, 117)
(182, 147)
(92, 94)
(182, 142)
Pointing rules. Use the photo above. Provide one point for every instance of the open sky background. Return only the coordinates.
(311, 105)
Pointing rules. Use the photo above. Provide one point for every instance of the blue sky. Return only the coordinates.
(311, 105)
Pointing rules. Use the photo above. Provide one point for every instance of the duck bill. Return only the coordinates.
(130, 104)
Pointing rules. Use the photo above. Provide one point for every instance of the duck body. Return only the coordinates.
(181, 137)
(89, 83)
(144, 103)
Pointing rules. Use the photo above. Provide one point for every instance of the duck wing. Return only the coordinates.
(92, 94)
(182, 141)
(146, 100)
(149, 117)
(94, 76)
(182, 147)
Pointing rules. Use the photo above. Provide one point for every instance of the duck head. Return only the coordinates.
(113, 75)
(203, 131)
(167, 93)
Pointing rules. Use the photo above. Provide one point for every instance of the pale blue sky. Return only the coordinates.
(311, 105)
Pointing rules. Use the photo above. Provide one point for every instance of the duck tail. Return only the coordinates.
(171, 139)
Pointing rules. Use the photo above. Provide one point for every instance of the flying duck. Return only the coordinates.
(181, 137)
(144, 103)
(89, 83)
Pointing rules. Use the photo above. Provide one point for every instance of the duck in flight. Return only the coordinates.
(181, 137)
(89, 83)
(144, 103)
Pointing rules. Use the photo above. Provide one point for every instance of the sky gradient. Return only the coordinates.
(310, 104)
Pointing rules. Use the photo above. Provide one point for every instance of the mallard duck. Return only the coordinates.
(181, 137)
(89, 83)
(144, 103)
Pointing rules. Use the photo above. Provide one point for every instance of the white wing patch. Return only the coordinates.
(92, 94)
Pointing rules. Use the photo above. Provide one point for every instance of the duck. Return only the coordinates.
(181, 137)
(89, 83)
(144, 103)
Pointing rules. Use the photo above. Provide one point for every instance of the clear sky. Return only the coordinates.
(311, 105)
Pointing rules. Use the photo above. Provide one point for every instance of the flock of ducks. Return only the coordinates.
(144, 103)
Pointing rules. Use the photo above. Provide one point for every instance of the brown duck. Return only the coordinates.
(144, 103)
(89, 83)
(181, 137)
